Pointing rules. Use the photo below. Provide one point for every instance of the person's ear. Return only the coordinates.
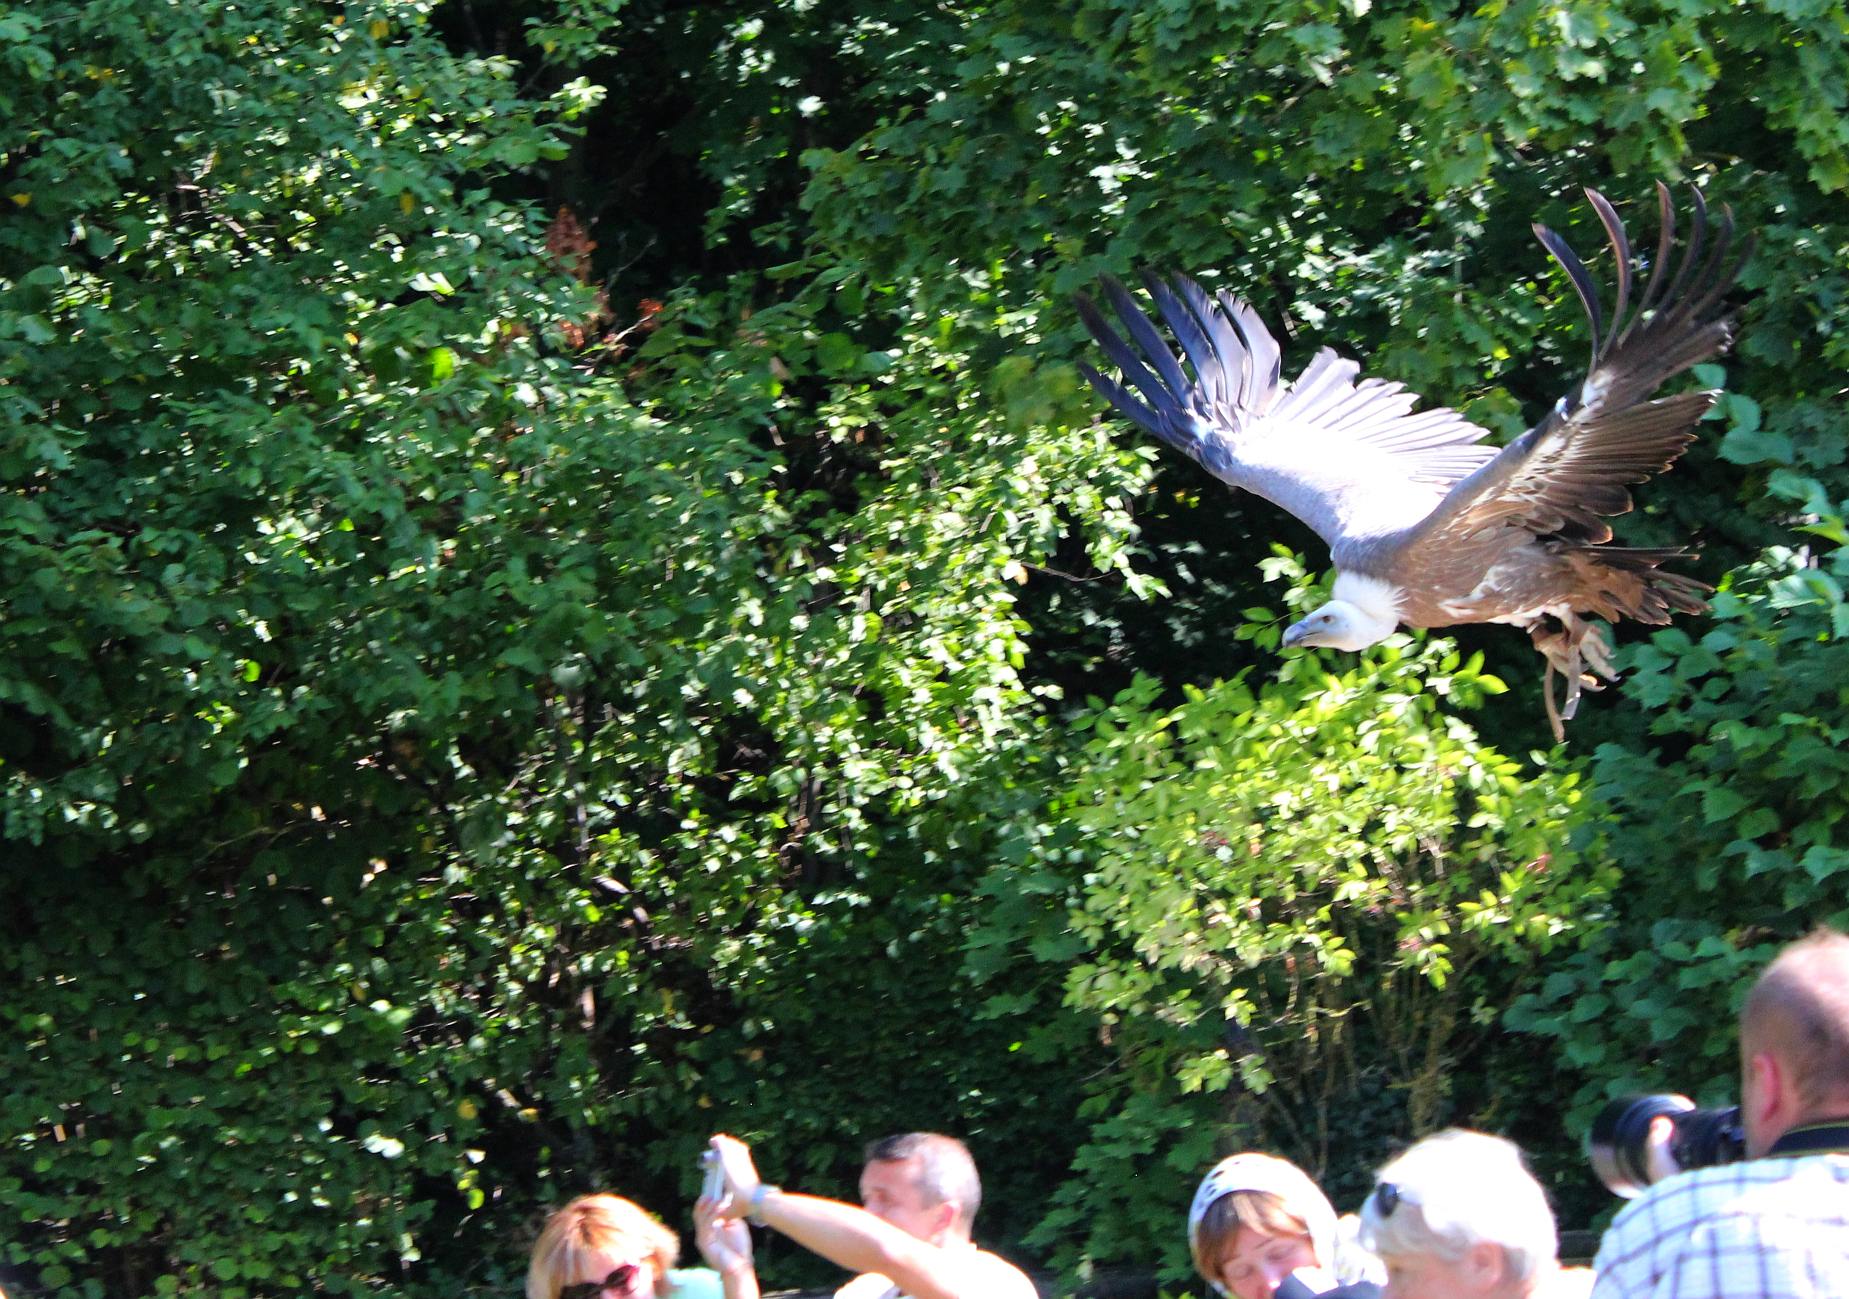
(1770, 1095)
(1483, 1264)
(947, 1216)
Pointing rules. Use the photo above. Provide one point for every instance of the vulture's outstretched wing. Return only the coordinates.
(1349, 458)
(1558, 479)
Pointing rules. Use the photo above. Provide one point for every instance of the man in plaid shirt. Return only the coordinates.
(1777, 1225)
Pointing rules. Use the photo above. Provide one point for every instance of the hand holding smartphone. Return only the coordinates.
(713, 1186)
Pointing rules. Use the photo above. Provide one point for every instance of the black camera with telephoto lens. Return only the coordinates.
(1618, 1146)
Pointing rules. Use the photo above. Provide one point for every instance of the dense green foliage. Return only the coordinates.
(1730, 822)
(451, 743)
(1292, 914)
(552, 559)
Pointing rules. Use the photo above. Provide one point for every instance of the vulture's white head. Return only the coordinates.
(1364, 612)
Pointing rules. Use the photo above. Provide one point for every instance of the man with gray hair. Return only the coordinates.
(1459, 1216)
(1775, 1226)
(911, 1240)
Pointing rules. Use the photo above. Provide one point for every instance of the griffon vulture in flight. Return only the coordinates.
(1426, 526)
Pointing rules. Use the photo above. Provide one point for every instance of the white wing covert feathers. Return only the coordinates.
(1349, 459)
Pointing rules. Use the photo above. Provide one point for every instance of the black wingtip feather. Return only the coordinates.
(1581, 280)
(1620, 244)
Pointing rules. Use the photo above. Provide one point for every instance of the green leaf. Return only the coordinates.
(1751, 446)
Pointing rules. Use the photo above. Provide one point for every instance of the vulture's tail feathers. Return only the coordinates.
(1661, 592)
(1617, 582)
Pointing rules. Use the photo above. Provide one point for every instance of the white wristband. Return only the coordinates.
(755, 1212)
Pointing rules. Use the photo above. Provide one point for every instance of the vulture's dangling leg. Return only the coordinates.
(1551, 636)
(1575, 679)
(1598, 655)
(1553, 708)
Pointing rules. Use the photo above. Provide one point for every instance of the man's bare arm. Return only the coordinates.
(850, 1237)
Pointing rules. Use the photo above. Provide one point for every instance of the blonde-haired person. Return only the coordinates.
(1260, 1227)
(606, 1247)
(1459, 1216)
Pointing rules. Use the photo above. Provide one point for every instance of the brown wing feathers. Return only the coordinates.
(1578, 463)
(1674, 326)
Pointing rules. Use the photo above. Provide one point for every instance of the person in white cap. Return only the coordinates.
(1259, 1227)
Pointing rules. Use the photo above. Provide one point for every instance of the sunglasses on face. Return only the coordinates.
(620, 1279)
(1388, 1196)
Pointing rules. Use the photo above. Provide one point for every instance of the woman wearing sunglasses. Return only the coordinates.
(605, 1247)
(1259, 1228)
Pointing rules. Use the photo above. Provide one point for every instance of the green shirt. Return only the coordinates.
(695, 1283)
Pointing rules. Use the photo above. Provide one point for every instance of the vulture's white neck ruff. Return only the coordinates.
(1376, 603)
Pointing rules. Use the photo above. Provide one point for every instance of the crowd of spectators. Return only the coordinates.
(1457, 1215)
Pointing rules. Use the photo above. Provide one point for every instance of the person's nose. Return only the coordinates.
(1270, 1277)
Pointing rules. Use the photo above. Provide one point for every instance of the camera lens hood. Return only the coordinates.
(1616, 1144)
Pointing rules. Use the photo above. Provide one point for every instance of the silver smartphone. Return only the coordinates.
(713, 1188)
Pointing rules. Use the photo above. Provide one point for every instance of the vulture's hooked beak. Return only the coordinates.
(1294, 634)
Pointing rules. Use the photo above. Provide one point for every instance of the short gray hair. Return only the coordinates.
(1457, 1189)
(946, 1171)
